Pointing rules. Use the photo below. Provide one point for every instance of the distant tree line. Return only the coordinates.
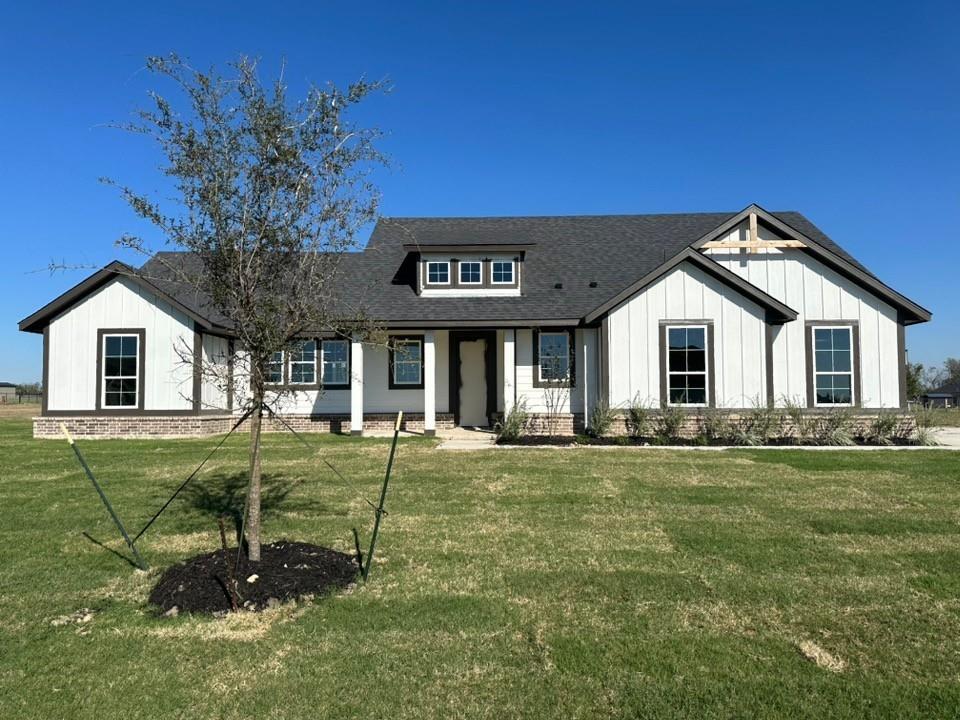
(922, 379)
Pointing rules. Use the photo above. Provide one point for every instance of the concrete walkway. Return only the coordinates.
(461, 438)
(947, 437)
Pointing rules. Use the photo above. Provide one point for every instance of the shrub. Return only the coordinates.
(757, 425)
(639, 418)
(669, 423)
(796, 424)
(923, 418)
(883, 428)
(835, 428)
(714, 427)
(601, 419)
(513, 426)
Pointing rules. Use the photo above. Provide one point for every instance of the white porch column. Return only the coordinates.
(356, 386)
(583, 374)
(509, 369)
(429, 384)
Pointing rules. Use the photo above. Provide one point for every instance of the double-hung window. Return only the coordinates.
(502, 272)
(833, 365)
(438, 272)
(554, 357)
(407, 362)
(275, 368)
(687, 365)
(336, 362)
(121, 371)
(303, 363)
(470, 273)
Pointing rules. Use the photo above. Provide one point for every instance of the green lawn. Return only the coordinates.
(534, 583)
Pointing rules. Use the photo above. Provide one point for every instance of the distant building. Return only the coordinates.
(8, 392)
(945, 396)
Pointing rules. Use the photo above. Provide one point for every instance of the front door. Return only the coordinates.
(473, 383)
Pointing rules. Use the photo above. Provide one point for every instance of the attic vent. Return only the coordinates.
(558, 286)
(593, 283)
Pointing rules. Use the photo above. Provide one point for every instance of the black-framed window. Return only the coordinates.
(335, 355)
(303, 363)
(121, 371)
(471, 272)
(275, 369)
(502, 272)
(406, 362)
(438, 272)
(687, 378)
(554, 357)
(833, 362)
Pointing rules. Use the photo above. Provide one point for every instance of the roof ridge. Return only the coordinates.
(576, 216)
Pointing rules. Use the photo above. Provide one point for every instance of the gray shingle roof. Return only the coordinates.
(611, 250)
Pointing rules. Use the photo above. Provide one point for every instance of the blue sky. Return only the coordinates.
(847, 112)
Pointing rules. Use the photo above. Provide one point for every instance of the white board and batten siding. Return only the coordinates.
(818, 293)
(687, 294)
(167, 381)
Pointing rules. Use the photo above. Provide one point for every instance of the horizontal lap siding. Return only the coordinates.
(167, 381)
(818, 293)
(564, 400)
(377, 395)
(686, 294)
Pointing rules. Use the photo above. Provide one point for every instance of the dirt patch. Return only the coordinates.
(286, 571)
(816, 654)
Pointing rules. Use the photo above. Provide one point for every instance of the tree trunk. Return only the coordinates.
(253, 500)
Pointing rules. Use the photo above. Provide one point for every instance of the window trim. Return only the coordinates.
(283, 371)
(707, 349)
(290, 362)
(513, 273)
(335, 386)
(426, 273)
(392, 384)
(571, 381)
(855, 388)
(469, 283)
(664, 361)
(102, 334)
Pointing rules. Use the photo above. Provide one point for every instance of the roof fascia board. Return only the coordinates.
(36, 321)
(467, 247)
(885, 292)
(777, 312)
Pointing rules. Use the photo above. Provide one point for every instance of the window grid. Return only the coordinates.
(554, 356)
(407, 355)
(335, 358)
(687, 365)
(121, 372)
(303, 363)
(502, 272)
(438, 273)
(275, 369)
(470, 273)
(833, 366)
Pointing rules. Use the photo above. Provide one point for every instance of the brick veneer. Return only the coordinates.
(199, 425)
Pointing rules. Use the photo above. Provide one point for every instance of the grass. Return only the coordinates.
(509, 584)
(945, 417)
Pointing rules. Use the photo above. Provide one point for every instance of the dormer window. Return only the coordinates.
(471, 272)
(438, 272)
(503, 272)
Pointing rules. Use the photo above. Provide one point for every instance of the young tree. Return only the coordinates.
(269, 195)
(915, 382)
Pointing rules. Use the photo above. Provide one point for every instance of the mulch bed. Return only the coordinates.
(286, 571)
(626, 441)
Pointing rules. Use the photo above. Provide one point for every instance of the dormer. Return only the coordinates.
(461, 270)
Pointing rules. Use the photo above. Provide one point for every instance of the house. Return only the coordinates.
(8, 392)
(721, 310)
(945, 396)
